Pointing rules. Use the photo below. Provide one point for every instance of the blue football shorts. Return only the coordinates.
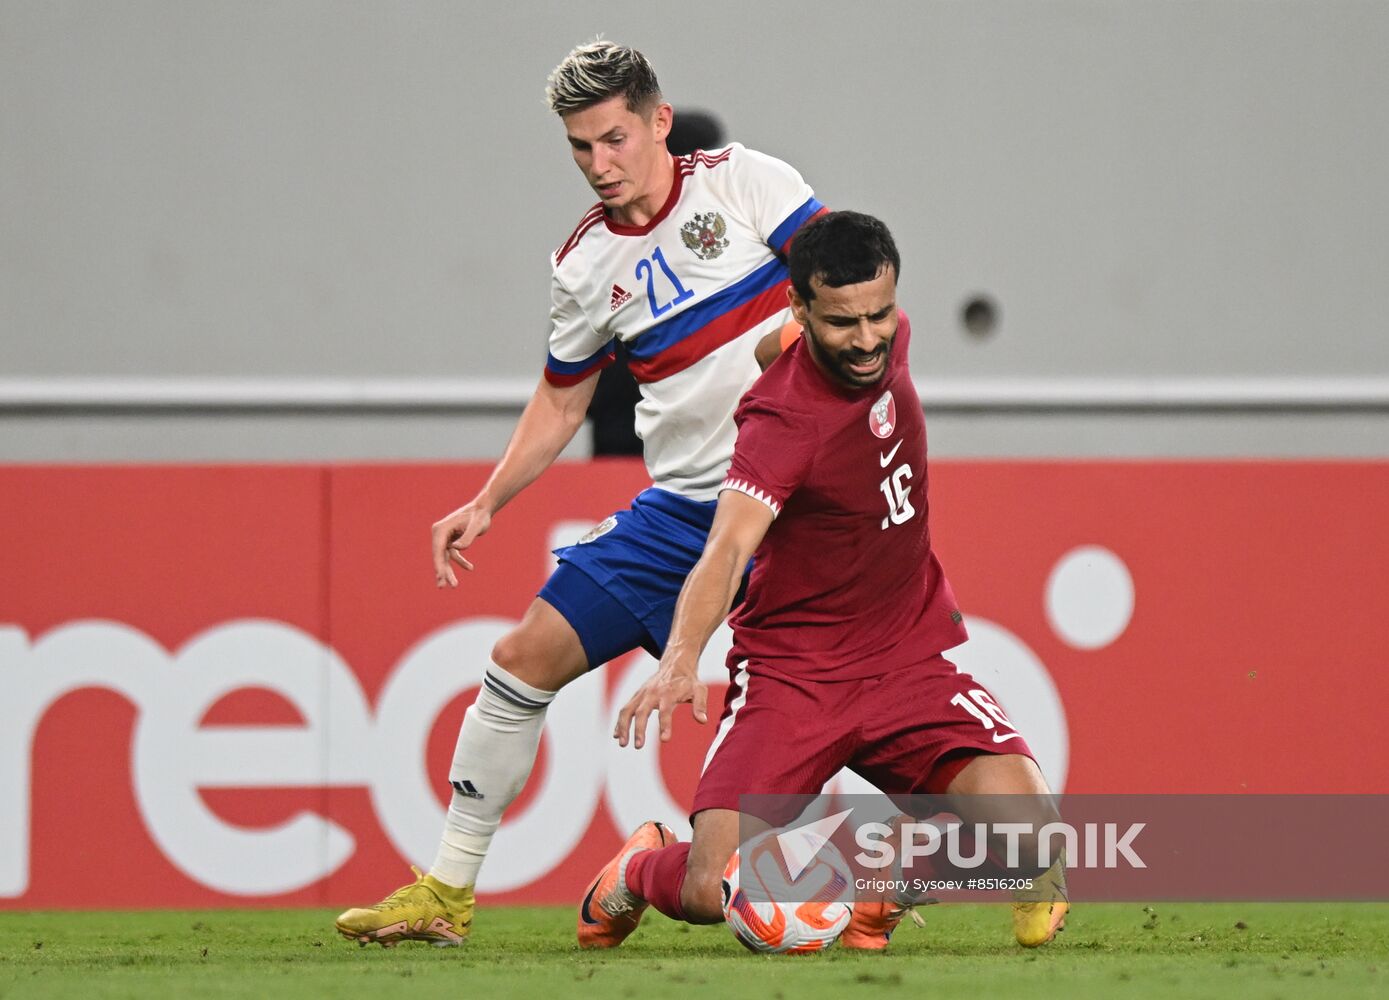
(617, 586)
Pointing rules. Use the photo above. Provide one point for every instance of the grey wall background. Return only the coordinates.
(356, 191)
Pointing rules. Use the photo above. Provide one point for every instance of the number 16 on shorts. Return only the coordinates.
(980, 704)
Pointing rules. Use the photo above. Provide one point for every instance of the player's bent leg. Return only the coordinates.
(713, 843)
(496, 749)
(1038, 913)
(682, 881)
(999, 774)
(611, 910)
(543, 650)
(500, 736)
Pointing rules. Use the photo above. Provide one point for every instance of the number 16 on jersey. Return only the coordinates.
(897, 490)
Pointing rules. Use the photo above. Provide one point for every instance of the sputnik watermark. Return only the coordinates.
(1093, 845)
(1106, 847)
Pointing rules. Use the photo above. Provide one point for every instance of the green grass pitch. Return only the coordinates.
(1213, 950)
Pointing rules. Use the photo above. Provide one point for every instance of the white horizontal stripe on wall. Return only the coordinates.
(466, 395)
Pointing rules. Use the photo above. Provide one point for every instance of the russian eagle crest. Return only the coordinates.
(705, 235)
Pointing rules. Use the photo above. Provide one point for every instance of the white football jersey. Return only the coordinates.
(690, 294)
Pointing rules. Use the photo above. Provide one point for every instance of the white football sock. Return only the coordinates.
(497, 746)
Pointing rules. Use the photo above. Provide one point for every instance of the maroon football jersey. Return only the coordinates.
(845, 584)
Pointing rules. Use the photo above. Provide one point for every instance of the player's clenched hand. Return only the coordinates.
(451, 535)
(670, 686)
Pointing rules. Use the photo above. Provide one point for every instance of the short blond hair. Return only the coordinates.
(599, 70)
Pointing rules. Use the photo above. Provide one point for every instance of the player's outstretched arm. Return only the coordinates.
(740, 522)
(551, 419)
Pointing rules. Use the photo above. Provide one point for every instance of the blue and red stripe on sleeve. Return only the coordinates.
(565, 373)
(780, 240)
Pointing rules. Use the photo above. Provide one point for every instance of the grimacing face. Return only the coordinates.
(850, 329)
(622, 153)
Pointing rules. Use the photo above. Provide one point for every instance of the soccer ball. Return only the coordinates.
(769, 911)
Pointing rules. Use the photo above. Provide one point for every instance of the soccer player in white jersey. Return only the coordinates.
(683, 259)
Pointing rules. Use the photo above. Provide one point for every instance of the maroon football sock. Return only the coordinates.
(657, 877)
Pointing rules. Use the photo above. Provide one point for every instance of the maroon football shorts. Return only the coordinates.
(908, 732)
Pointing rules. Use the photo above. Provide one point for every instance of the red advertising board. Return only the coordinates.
(239, 686)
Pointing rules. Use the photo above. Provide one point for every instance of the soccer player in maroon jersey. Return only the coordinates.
(837, 649)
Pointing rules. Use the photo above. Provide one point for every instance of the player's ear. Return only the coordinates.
(799, 307)
(662, 119)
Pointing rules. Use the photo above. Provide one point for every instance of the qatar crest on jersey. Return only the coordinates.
(705, 235)
(882, 419)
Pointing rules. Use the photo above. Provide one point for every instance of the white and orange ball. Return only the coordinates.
(771, 912)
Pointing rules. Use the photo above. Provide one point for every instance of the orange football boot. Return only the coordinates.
(874, 920)
(610, 911)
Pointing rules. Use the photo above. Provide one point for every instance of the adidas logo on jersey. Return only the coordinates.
(619, 297)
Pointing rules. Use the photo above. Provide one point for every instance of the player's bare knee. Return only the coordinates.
(525, 659)
(509, 653)
(543, 650)
(702, 897)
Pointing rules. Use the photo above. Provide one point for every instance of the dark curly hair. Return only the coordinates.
(841, 248)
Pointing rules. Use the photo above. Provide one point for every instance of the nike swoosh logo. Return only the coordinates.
(583, 910)
(884, 459)
(997, 739)
(583, 907)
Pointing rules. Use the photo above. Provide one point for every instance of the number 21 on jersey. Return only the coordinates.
(646, 272)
